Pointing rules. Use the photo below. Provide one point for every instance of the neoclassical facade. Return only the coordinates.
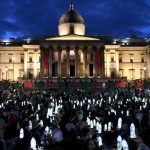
(74, 54)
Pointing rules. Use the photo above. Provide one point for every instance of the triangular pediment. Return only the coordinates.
(72, 37)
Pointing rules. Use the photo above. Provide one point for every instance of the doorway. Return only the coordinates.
(113, 75)
(30, 75)
(72, 70)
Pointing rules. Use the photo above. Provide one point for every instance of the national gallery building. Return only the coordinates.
(73, 54)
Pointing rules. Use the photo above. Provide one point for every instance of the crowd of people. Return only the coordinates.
(76, 119)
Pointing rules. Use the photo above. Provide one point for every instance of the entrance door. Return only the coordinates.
(72, 70)
(112, 74)
(30, 75)
(91, 69)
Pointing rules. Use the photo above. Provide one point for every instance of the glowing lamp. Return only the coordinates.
(37, 117)
(88, 121)
(33, 143)
(109, 126)
(99, 127)
(30, 124)
(119, 142)
(38, 106)
(132, 131)
(91, 124)
(99, 139)
(21, 136)
(119, 125)
(41, 123)
(105, 127)
(127, 113)
(125, 145)
(94, 122)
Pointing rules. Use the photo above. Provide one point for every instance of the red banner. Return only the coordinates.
(45, 59)
(121, 84)
(139, 84)
(98, 60)
(28, 85)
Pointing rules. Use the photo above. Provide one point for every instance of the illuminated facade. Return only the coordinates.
(73, 54)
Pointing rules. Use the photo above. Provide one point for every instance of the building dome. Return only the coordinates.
(71, 23)
(71, 17)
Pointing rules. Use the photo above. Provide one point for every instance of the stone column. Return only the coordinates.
(68, 61)
(102, 61)
(108, 64)
(99, 62)
(35, 64)
(25, 63)
(147, 65)
(107, 60)
(41, 63)
(117, 63)
(59, 61)
(94, 61)
(50, 62)
(76, 62)
(85, 61)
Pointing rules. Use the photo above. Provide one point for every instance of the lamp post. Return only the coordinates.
(144, 68)
(13, 60)
(6, 69)
(132, 67)
(141, 74)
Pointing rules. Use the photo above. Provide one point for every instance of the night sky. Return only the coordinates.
(36, 18)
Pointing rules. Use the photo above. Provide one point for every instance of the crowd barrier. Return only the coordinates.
(76, 84)
(79, 84)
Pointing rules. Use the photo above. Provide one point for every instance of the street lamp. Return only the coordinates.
(144, 68)
(6, 69)
(132, 67)
(141, 74)
(13, 60)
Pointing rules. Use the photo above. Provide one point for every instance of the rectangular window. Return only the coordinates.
(21, 58)
(120, 59)
(30, 59)
(131, 60)
(112, 58)
(10, 59)
(142, 59)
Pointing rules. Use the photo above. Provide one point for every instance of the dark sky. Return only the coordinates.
(35, 18)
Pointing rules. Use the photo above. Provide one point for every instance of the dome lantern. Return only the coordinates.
(71, 6)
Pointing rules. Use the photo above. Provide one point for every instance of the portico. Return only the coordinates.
(71, 56)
